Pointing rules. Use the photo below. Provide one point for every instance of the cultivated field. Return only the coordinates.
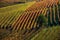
(31, 21)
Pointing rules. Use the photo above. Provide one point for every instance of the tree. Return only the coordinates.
(42, 20)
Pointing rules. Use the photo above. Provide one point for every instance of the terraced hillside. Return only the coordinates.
(22, 20)
(9, 14)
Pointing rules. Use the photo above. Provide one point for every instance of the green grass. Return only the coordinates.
(51, 33)
(20, 7)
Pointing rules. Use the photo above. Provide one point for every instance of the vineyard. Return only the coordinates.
(31, 21)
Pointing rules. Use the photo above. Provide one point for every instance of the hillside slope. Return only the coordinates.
(51, 33)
